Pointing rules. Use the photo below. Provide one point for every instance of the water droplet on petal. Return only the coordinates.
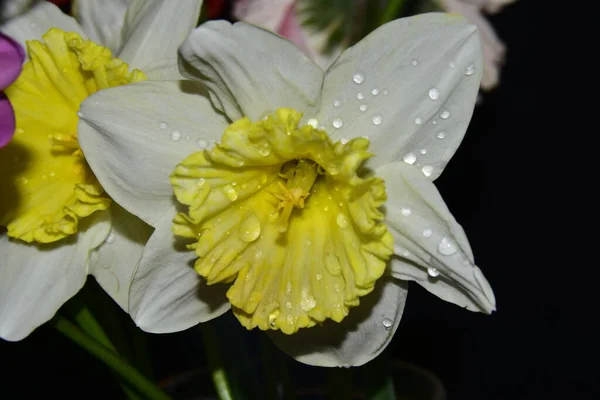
(288, 288)
(337, 123)
(175, 135)
(337, 103)
(427, 170)
(288, 305)
(201, 143)
(470, 70)
(423, 151)
(360, 96)
(445, 114)
(406, 211)
(377, 120)
(433, 272)
(363, 107)
(250, 229)
(163, 125)
(415, 62)
(319, 277)
(79, 114)
(264, 151)
(441, 135)
(409, 158)
(418, 120)
(341, 220)
(313, 122)
(387, 323)
(230, 193)
(427, 233)
(375, 92)
(358, 77)
(434, 94)
(447, 246)
(110, 238)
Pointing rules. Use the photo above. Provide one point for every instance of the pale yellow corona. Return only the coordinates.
(46, 186)
(288, 217)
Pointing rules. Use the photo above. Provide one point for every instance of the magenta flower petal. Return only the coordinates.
(7, 121)
(11, 60)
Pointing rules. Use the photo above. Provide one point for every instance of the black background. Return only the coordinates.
(517, 185)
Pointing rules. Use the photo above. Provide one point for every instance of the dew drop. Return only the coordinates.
(377, 120)
(288, 305)
(375, 92)
(423, 151)
(441, 135)
(337, 103)
(427, 170)
(415, 62)
(79, 114)
(418, 121)
(341, 220)
(250, 229)
(406, 211)
(434, 94)
(162, 125)
(363, 107)
(360, 96)
(433, 272)
(387, 323)
(230, 193)
(445, 114)
(406, 253)
(175, 135)
(110, 238)
(264, 151)
(409, 158)
(313, 122)
(358, 77)
(319, 277)
(202, 143)
(308, 303)
(447, 246)
(337, 123)
(427, 233)
(325, 208)
(201, 181)
(470, 70)
(288, 288)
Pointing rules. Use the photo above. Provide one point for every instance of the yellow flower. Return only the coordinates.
(291, 182)
(60, 223)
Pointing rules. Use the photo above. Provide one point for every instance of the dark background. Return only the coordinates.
(517, 185)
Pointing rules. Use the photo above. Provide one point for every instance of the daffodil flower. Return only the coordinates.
(61, 225)
(306, 196)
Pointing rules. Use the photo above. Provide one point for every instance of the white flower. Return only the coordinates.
(493, 48)
(410, 87)
(36, 279)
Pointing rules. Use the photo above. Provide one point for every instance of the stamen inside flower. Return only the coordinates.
(46, 184)
(281, 211)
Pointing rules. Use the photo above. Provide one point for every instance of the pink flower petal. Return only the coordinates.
(11, 60)
(7, 120)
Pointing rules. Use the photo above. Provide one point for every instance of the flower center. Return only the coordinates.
(46, 184)
(280, 211)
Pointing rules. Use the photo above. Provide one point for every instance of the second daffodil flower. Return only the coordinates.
(60, 223)
(304, 199)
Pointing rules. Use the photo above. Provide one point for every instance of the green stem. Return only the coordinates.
(108, 357)
(392, 11)
(218, 374)
(88, 323)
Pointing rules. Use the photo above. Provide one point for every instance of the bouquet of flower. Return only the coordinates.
(196, 167)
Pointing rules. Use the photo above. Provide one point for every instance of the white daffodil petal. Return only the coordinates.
(114, 262)
(250, 71)
(102, 20)
(36, 280)
(167, 295)
(410, 85)
(133, 136)
(430, 246)
(152, 32)
(37, 21)
(359, 338)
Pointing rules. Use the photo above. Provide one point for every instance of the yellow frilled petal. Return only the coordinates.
(46, 185)
(281, 211)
